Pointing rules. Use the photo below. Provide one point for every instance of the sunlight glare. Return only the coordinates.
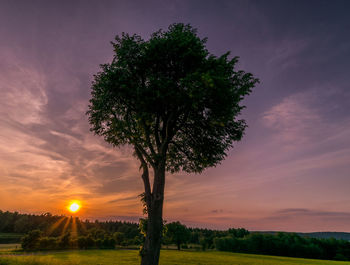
(74, 207)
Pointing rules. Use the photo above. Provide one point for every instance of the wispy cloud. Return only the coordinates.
(295, 212)
(294, 155)
(22, 91)
(295, 120)
(287, 52)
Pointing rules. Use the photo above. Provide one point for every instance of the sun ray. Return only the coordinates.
(66, 225)
(74, 228)
(54, 226)
(81, 225)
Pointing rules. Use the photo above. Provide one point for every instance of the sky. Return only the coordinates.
(290, 172)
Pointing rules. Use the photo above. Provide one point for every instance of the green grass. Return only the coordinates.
(168, 257)
(8, 248)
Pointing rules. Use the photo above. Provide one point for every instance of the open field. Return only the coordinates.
(168, 257)
(8, 248)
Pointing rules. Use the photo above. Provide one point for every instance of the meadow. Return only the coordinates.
(168, 257)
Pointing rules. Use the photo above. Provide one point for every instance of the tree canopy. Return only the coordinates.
(169, 96)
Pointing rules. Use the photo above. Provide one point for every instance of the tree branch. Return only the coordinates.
(145, 176)
(156, 134)
(169, 131)
(148, 139)
(143, 153)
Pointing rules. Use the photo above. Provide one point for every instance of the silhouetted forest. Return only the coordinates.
(71, 230)
(46, 231)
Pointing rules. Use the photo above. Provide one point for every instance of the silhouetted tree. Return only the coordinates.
(175, 104)
(177, 233)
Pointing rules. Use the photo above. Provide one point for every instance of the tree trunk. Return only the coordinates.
(151, 247)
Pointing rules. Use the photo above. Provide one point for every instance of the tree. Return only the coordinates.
(119, 237)
(31, 240)
(177, 233)
(175, 104)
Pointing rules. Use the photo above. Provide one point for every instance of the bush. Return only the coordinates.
(119, 237)
(99, 243)
(31, 240)
(46, 243)
(64, 241)
(82, 242)
(108, 242)
(341, 257)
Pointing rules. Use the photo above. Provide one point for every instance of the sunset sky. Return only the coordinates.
(290, 172)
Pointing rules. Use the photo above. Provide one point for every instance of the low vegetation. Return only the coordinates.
(168, 257)
(286, 244)
(59, 232)
(6, 238)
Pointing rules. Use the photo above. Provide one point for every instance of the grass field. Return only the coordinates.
(6, 247)
(168, 257)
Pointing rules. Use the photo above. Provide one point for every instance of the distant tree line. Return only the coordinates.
(285, 244)
(46, 232)
(54, 225)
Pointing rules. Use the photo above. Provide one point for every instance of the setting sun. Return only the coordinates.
(74, 207)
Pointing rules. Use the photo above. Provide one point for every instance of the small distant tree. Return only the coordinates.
(203, 241)
(175, 104)
(108, 242)
(177, 233)
(97, 233)
(99, 243)
(119, 237)
(90, 242)
(31, 240)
